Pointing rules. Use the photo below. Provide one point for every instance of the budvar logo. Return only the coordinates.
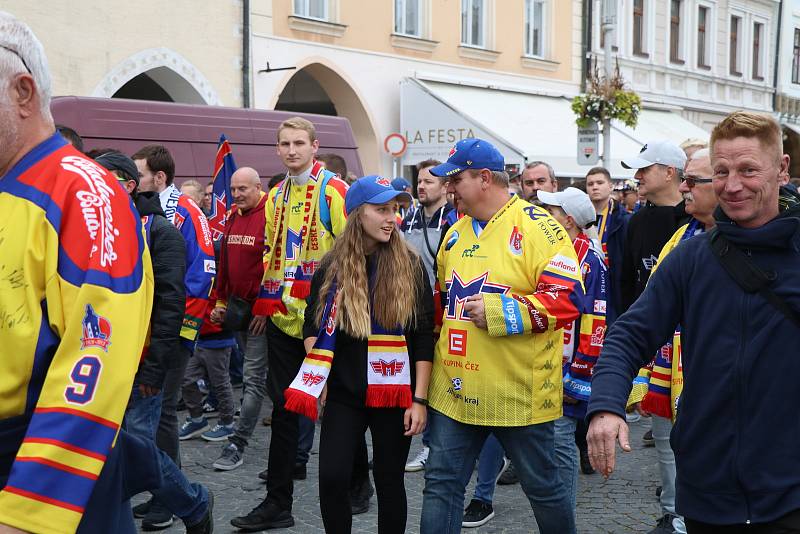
(598, 335)
(457, 342)
(515, 242)
(95, 206)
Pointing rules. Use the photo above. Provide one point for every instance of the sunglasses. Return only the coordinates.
(691, 181)
(19, 56)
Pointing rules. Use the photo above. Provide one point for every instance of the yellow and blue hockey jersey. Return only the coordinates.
(524, 265)
(76, 290)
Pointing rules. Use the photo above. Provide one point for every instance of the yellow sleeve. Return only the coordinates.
(335, 191)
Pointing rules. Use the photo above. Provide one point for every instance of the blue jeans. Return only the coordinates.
(489, 464)
(305, 439)
(662, 428)
(186, 500)
(567, 456)
(455, 447)
(254, 388)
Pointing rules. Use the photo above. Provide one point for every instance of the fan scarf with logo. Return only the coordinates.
(524, 265)
(296, 240)
(388, 367)
(665, 382)
(583, 339)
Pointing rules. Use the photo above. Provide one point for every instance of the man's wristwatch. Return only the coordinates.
(419, 400)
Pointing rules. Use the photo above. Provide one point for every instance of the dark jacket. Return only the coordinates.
(347, 382)
(737, 431)
(615, 246)
(168, 254)
(649, 229)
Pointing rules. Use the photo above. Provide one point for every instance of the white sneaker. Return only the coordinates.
(418, 463)
(632, 417)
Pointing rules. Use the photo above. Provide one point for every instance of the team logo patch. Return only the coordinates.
(96, 330)
(451, 241)
(457, 384)
(209, 266)
(312, 379)
(384, 368)
(452, 151)
(380, 180)
(515, 242)
(178, 220)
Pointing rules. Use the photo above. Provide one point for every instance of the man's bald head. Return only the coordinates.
(246, 188)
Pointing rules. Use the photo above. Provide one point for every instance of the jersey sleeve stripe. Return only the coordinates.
(57, 465)
(105, 422)
(42, 498)
(73, 429)
(51, 483)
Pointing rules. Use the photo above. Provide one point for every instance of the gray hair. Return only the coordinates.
(500, 178)
(19, 48)
(549, 167)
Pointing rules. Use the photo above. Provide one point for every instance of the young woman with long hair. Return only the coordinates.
(369, 336)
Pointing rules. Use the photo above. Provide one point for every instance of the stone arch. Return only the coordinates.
(178, 78)
(346, 102)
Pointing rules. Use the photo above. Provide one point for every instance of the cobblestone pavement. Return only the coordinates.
(624, 503)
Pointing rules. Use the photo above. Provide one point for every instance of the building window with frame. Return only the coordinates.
(796, 57)
(675, 52)
(473, 23)
(702, 37)
(639, 28)
(408, 17)
(758, 31)
(534, 28)
(733, 54)
(311, 9)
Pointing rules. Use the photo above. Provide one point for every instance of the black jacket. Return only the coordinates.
(737, 430)
(347, 382)
(615, 246)
(649, 229)
(168, 255)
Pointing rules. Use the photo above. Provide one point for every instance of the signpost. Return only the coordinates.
(395, 145)
(588, 144)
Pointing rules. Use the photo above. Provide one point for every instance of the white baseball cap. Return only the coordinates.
(662, 152)
(574, 202)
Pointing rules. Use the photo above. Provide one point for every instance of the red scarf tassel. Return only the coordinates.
(388, 396)
(300, 289)
(269, 307)
(301, 403)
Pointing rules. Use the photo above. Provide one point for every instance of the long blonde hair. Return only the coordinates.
(393, 294)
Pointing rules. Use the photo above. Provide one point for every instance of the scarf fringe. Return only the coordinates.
(301, 403)
(657, 404)
(300, 289)
(388, 396)
(269, 307)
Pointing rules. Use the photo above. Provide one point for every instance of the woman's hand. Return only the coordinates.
(415, 419)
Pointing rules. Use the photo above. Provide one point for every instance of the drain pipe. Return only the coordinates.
(777, 57)
(245, 53)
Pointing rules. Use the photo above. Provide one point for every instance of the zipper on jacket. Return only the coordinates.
(739, 398)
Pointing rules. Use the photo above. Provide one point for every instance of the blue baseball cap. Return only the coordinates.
(371, 189)
(470, 153)
(400, 184)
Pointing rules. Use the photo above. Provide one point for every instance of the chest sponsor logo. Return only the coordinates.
(458, 291)
(96, 330)
(385, 368)
(535, 213)
(297, 207)
(515, 242)
(457, 342)
(95, 206)
(248, 240)
(563, 265)
(470, 252)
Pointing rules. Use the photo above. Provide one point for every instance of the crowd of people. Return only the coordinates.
(508, 323)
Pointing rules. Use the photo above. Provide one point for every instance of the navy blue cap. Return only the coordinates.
(470, 153)
(400, 184)
(371, 189)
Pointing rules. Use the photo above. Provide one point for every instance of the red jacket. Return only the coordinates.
(241, 265)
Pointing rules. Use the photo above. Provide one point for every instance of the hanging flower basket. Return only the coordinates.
(606, 100)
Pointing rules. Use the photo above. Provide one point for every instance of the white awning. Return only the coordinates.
(523, 126)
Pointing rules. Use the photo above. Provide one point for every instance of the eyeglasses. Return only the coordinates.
(19, 56)
(691, 181)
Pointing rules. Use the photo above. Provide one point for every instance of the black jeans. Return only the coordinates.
(788, 524)
(285, 354)
(343, 428)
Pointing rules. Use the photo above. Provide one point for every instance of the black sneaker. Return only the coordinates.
(477, 513)
(360, 496)
(140, 510)
(664, 525)
(263, 475)
(157, 518)
(265, 515)
(508, 477)
(206, 524)
(586, 465)
(648, 440)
